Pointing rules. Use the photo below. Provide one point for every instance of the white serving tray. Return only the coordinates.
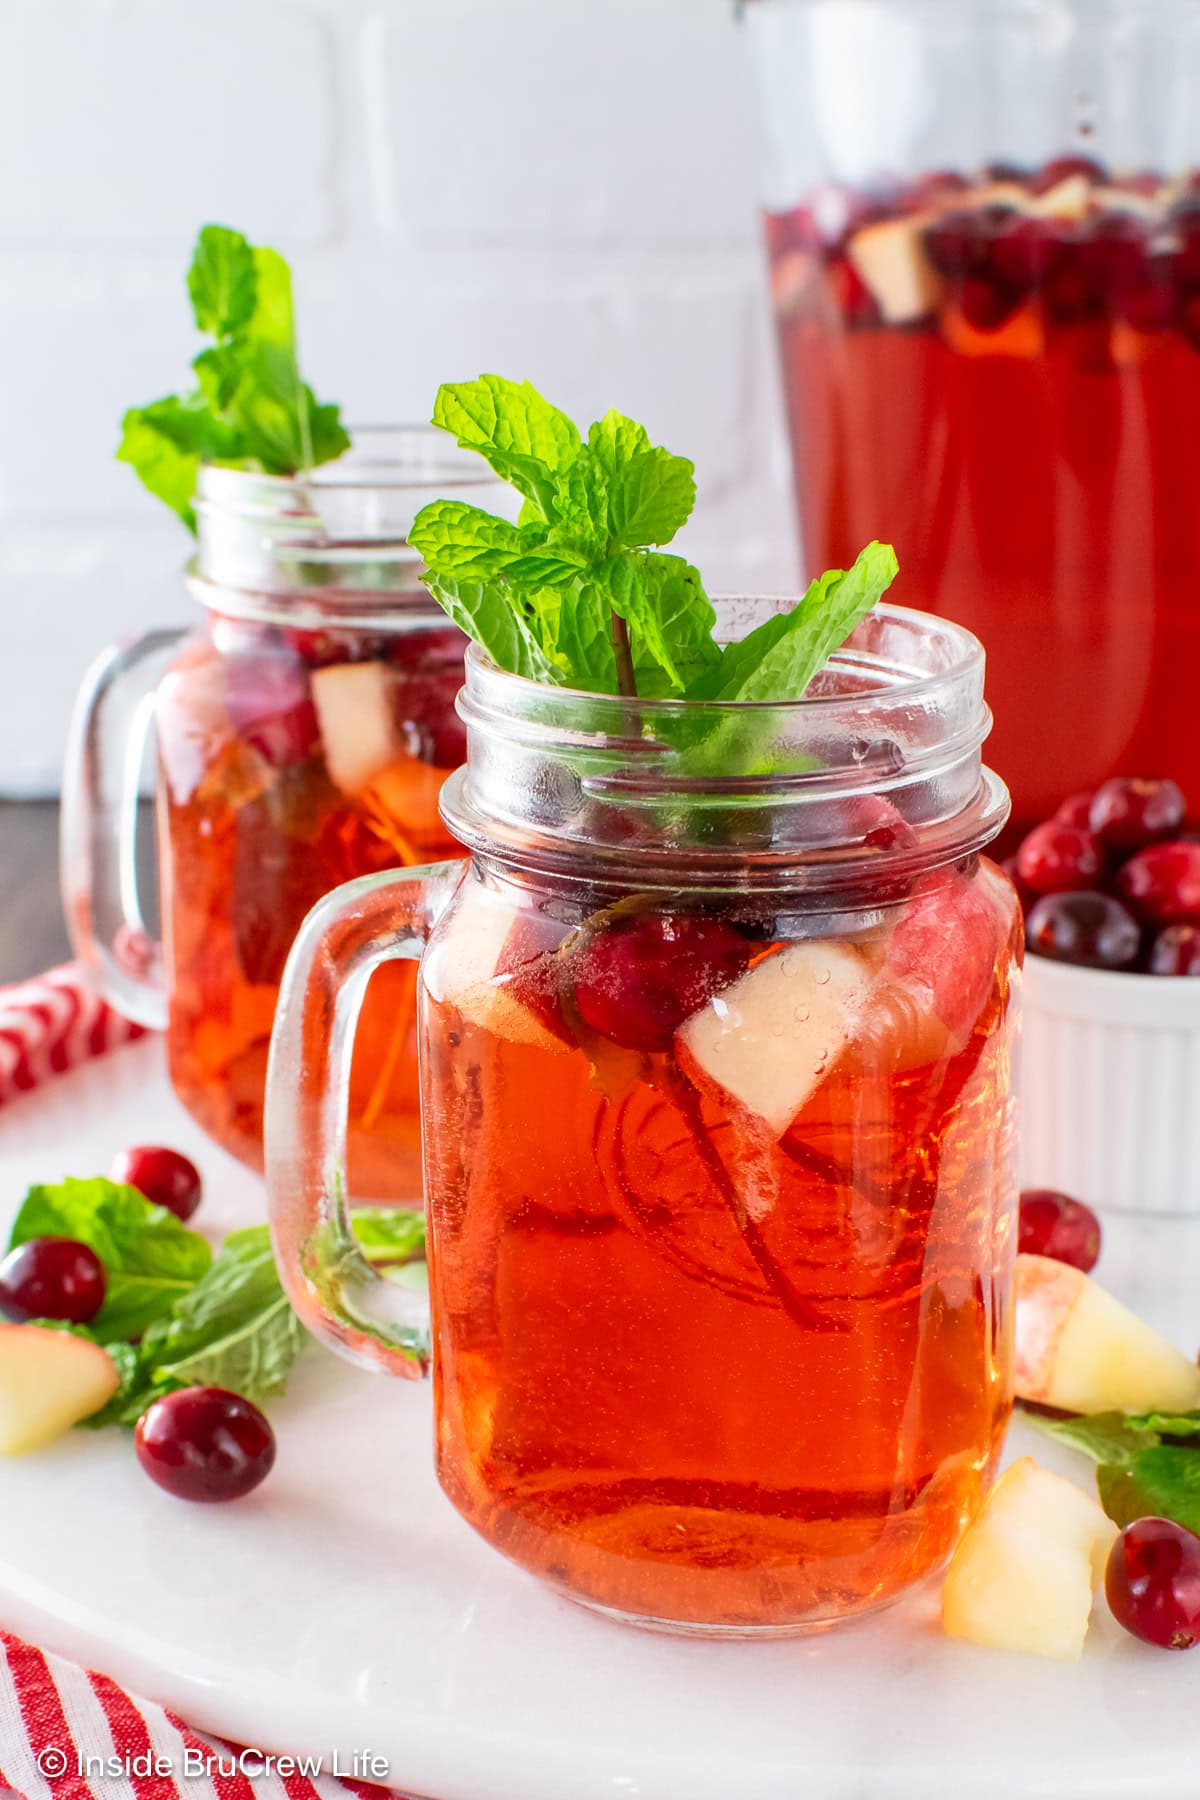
(346, 1607)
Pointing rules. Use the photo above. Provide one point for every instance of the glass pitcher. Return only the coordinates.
(983, 220)
(717, 1129)
(303, 732)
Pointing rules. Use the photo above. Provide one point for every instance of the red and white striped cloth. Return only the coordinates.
(52, 1023)
(66, 1733)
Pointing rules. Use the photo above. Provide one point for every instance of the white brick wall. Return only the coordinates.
(563, 189)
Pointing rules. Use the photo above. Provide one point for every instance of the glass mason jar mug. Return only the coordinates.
(983, 219)
(717, 1132)
(303, 735)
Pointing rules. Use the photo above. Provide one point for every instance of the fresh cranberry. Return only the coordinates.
(851, 295)
(324, 649)
(1052, 1224)
(961, 243)
(424, 705)
(1023, 252)
(1067, 290)
(52, 1278)
(1090, 929)
(985, 305)
(162, 1176)
(1176, 951)
(1076, 810)
(204, 1443)
(1129, 812)
(1152, 1583)
(1163, 884)
(1188, 319)
(272, 709)
(1061, 168)
(1057, 857)
(944, 945)
(639, 978)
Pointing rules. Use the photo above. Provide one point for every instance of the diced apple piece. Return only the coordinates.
(1024, 1575)
(49, 1380)
(1082, 1351)
(940, 966)
(770, 1039)
(1067, 199)
(891, 261)
(358, 722)
(488, 974)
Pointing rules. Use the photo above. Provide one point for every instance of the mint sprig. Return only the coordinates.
(579, 593)
(250, 407)
(1138, 1474)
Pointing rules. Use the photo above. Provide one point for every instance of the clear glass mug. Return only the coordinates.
(717, 1132)
(983, 219)
(303, 732)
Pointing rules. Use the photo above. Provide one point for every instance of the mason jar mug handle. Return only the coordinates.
(349, 1305)
(110, 730)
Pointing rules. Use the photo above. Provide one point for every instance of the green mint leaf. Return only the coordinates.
(575, 626)
(128, 1396)
(456, 539)
(779, 658)
(614, 441)
(1181, 1425)
(685, 616)
(222, 281)
(651, 498)
(1162, 1482)
(150, 1259)
(235, 1329)
(166, 442)
(1111, 1438)
(518, 433)
(218, 372)
(389, 1233)
(485, 611)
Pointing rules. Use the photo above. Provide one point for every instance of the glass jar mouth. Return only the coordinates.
(335, 537)
(878, 763)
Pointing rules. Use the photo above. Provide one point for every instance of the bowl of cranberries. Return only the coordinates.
(1110, 888)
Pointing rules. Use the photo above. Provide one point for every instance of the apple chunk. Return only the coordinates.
(1082, 1351)
(891, 262)
(770, 1038)
(49, 1380)
(496, 969)
(358, 722)
(1024, 1575)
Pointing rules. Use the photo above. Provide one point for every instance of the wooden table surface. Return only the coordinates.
(32, 934)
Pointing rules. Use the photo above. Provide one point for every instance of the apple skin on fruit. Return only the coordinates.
(49, 1380)
(1025, 1572)
(1078, 1349)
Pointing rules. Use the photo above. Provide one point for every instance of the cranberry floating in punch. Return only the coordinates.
(985, 269)
(716, 1035)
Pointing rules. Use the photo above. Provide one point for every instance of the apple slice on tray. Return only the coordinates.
(1080, 1351)
(49, 1381)
(1024, 1574)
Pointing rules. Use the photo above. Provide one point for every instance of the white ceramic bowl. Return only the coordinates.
(1110, 1087)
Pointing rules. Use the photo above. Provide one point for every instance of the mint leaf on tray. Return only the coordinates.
(579, 593)
(250, 407)
(1138, 1476)
(150, 1259)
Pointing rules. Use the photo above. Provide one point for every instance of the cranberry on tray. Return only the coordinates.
(1152, 1583)
(204, 1443)
(1052, 1224)
(164, 1177)
(51, 1278)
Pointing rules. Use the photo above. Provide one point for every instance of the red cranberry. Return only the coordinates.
(851, 295)
(1176, 951)
(271, 708)
(961, 243)
(162, 1176)
(1130, 812)
(204, 1443)
(1023, 252)
(1076, 810)
(1153, 1583)
(323, 649)
(1061, 168)
(639, 978)
(1090, 929)
(1052, 1224)
(985, 305)
(52, 1278)
(1057, 857)
(1067, 291)
(1163, 884)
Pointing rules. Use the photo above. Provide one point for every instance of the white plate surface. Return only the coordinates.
(346, 1607)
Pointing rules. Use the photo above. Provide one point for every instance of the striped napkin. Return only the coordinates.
(65, 1732)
